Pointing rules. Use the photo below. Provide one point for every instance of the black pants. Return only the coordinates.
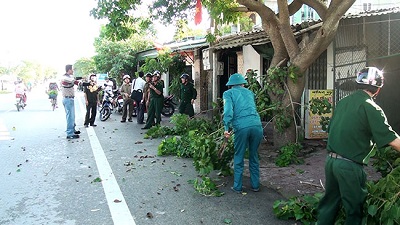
(127, 108)
(91, 110)
(139, 107)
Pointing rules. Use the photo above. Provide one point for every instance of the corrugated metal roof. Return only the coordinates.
(259, 37)
(175, 47)
(376, 12)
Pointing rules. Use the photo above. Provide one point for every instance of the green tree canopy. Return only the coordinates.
(117, 57)
(84, 67)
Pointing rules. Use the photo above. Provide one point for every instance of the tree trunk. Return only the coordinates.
(283, 138)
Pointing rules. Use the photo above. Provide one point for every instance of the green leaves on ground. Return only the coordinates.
(301, 208)
(288, 154)
(382, 205)
(98, 179)
(201, 140)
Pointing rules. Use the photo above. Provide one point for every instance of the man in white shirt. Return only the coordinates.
(108, 84)
(137, 95)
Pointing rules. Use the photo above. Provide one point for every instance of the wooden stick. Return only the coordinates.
(315, 185)
(320, 181)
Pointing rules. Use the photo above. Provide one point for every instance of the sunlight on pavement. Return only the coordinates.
(4, 133)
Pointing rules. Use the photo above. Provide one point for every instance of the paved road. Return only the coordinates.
(46, 179)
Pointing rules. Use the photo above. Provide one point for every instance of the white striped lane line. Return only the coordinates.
(4, 133)
(119, 210)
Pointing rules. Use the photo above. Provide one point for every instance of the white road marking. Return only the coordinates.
(120, 212)
(4, 133)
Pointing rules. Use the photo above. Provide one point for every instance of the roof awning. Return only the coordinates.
(258, 37)
(174, 47)
(151, 53)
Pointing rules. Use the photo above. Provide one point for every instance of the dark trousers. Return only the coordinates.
(139, 108)
(140, 112)
(154, 112)
(186, 108)
(345, 185)
(128, 103)
(91, 110)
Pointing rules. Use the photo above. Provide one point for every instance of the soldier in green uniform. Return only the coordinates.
(240, 113)
(187, 96)
(156, 101)
(357, 123)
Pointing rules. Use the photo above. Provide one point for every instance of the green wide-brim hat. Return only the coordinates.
(236, 79)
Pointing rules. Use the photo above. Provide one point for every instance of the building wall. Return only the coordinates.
(329, 69)
(240, 62)
(197, 78)
(251, 60)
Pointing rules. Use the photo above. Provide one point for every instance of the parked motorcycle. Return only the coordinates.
(118, 102)
(168, 108)
(107, 105)
(20, 101)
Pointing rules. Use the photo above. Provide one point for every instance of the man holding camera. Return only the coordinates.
(68, 92)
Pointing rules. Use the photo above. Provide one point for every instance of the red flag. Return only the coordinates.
(197, 16)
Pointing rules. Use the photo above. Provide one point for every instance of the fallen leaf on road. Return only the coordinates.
(117, 201)
(227, 221)
(176, 174)
(149, 215)
(98, 179)
(139, 142)
(182, 210)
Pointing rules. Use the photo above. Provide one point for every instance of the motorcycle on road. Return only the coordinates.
(20, 102)
(168, 107)
(107, 105)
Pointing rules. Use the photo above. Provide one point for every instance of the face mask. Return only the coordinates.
(93, 78)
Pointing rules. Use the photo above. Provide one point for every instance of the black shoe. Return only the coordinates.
(77, 132)
(123, 121)
(130, 120)
(141, 122)
(86, 126)
(145, 128)
(75, 136)
(93, 125)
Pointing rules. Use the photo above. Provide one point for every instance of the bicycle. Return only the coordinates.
(53, 99)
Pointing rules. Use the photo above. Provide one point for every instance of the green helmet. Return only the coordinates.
(236, 79)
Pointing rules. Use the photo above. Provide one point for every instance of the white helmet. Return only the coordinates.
(126, 76)
(370, 76)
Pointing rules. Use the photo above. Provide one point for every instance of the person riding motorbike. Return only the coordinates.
(20, 89)
(52, 90)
